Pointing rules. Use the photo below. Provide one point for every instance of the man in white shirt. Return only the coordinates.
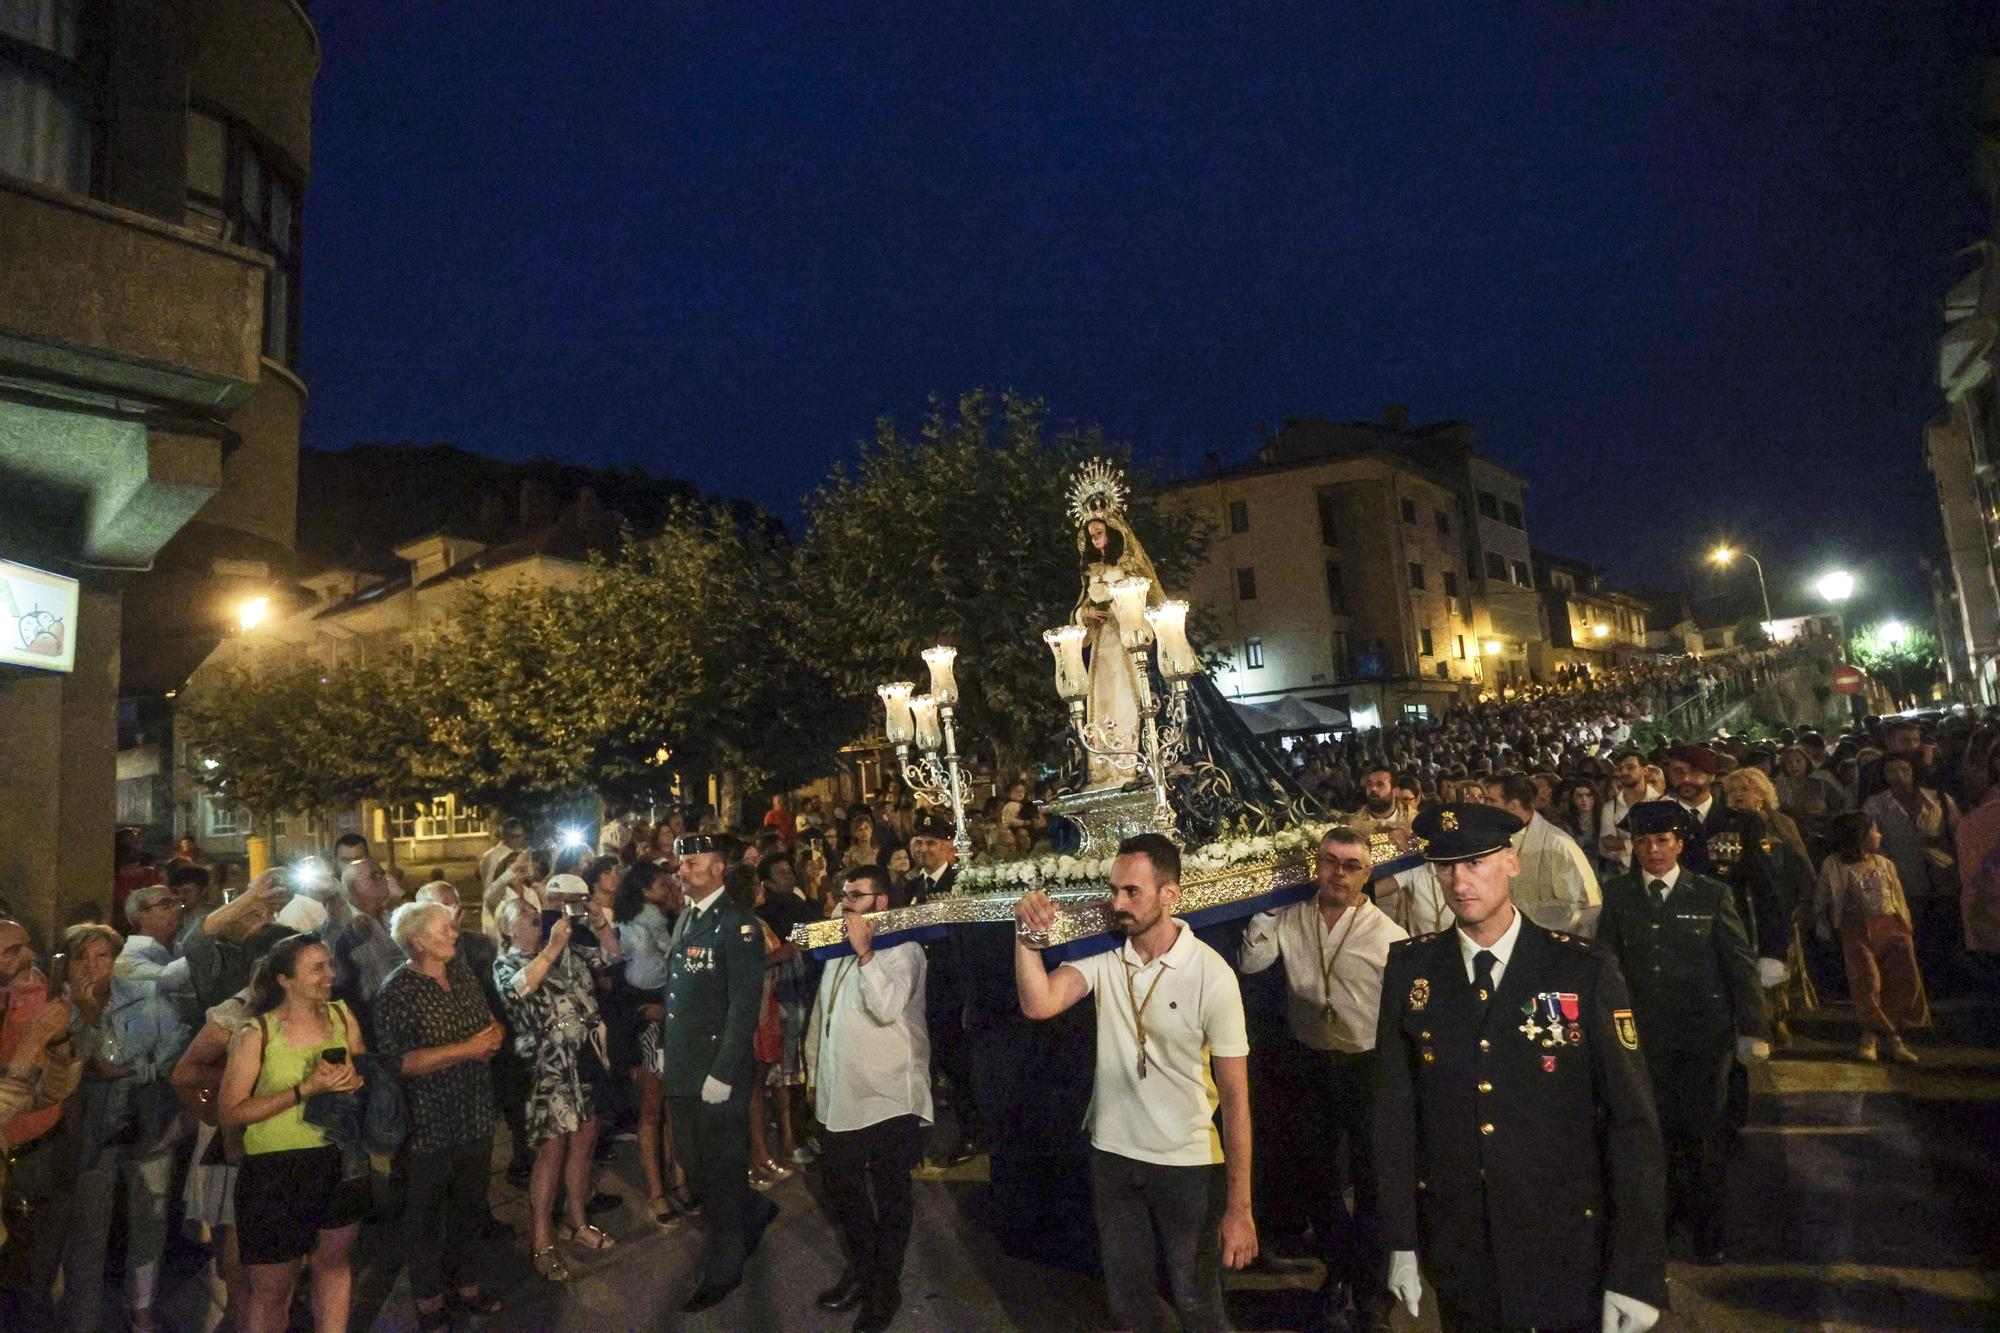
(1628, 788)
(874, 1098)
(1334, 946)
(495, 858)
(1171, 1046)
(1556, 888)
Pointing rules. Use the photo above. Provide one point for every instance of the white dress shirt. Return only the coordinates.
(1556, 886)
(1414, 900)
(1356, 947)
(1502, 949)
(1671, 878)
(1614, 810)
(874, 1046)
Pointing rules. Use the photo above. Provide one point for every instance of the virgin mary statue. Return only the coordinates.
(1108, 551)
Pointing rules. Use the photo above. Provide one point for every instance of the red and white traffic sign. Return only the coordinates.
(1849, 680)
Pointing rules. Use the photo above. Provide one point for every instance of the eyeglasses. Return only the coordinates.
(1345, 867)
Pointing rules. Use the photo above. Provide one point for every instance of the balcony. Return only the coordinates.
(113, 309)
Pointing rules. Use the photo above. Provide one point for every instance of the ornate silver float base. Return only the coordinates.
(1108, 816)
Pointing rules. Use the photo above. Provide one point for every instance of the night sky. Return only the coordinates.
(1678, 264)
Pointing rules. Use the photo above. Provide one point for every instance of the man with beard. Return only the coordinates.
(1334, 946)
(1729, 845)
(874, 1096)
(1516, 1146)
(1628, 788)
(712, 1001)
(1678, 939)
(1378, 812)
(1171, 1046)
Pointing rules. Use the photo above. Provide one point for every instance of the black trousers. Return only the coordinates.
(1336, 1114)
(444, 1207)
(868, 1193)
(1691, 1089)
(1151, 1217)
(713, 1145)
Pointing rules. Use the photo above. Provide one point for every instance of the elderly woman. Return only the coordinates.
(551, 1002)
(433, 1026)
(1748, 790)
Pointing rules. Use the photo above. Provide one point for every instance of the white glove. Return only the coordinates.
(1752, 1050)
(1624, 1314)
(1404, 1282)
(1771, 972)
(714, 1091)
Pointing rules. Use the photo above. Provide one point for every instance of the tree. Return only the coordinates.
(1902, 658)
(1751, 634)
(961, 535)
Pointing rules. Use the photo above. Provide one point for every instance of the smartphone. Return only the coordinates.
(336, 1056)
(550, 916)
(58, 973)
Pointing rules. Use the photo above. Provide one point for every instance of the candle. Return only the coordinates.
(896, 703)
(944, 690)
(1128, 604)
(1066, 643)
(1176, 657)
(924, 713)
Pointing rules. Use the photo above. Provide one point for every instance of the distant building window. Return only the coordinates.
(1489, 505)
(1513, 515)
(1246, 585)
(1417, 575)
(440, 817)
(1521, 572)
(1450, 583)
(1416, 712)
(1239, 516)
(48, 107)
(1458, 649)
(1496, 566)
(1424, 648)
(225, 820)
(1336, 592)
(1444, 671)
(1342, 662)
(1409, 511)
(1443, 522)
(1329, 532)
(239, 193)
(1253, 653)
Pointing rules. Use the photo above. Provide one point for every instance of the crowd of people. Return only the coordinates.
(328, 1047)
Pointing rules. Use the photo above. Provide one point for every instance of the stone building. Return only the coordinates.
(153, 155)
(1586, 624)
(1376, 569)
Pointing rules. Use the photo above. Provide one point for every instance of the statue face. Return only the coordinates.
(1098, 533)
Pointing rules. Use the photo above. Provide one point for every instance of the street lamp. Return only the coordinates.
(252, 612)
(1601, 630)
(1836, 586)
(1723, 554)
(1894, 633)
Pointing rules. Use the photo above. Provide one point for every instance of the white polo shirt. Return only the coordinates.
(1168, 1117)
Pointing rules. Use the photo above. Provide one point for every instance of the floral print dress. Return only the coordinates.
(551, 1024)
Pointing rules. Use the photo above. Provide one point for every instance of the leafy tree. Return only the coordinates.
(960, 534)
(1903, 658)
(1751, 634)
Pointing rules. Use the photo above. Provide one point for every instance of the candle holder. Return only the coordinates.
(930, 721)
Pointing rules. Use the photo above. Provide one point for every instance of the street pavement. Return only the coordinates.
(1862, 1198)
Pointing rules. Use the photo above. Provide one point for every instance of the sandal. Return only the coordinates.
(549, 1266)
(679, 1197)
(777, 1172)
(759, 1180)
(663, 1211)
(478, 1303)
(586, 1237)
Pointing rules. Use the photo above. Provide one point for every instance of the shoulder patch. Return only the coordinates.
(1573, 941)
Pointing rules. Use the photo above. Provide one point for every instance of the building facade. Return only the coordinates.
(1585, 624)
(1349, 569)
(153, 155)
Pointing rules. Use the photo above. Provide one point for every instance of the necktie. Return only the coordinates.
(1658, 888)
(1482, 974)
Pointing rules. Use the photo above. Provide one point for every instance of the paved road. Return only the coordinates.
(1863, 1197)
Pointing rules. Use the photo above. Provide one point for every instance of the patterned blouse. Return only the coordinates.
(1853, 891)
(450, 1108)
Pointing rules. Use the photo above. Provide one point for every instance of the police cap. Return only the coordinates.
(1463, 832)
(1658, 817)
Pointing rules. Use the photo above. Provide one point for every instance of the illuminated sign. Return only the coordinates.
(37, 618)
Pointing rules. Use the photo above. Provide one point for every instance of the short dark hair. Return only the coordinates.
(1374, 766)
(598, 865)
(1160, 850)
(512, 828)
(1516, 787)
(877, 877)
(772, 861)
(348, 840)
(740, 883)
(1342, 833)
(178, 875)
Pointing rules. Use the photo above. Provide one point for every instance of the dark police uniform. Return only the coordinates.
(709, 1011)
(1694, 992)
(1516, 1146)
(1731, 846)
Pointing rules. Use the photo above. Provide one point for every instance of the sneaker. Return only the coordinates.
(1866, 1049)
(1900, 1053)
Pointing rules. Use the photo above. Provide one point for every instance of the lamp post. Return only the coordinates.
(929, 720)
(1722, 555)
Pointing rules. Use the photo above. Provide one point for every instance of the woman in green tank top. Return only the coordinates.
(291, 1198)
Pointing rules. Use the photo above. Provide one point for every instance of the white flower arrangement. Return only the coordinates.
(1056, 871)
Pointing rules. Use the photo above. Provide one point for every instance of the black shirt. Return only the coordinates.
(453, 1107)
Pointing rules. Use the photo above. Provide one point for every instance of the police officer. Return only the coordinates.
(1678, 938)
(715, 986)
(1516, 1147)
(1729, 845)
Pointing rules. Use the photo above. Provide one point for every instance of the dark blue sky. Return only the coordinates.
(1679, 264)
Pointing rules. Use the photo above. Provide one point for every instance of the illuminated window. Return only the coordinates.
(224, 820)
(1253, 653)
(439, 817)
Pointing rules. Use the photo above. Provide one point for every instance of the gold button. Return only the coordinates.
(1484, 1086)
(1423, 1185)
(1486, 1128)
(1588, 1212)
(1426, 1036)
(1485, 1045)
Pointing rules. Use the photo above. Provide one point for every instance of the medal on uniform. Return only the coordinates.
(1547, 1005)
(1572, 1010)
(1548, 1064)
(1530, 1029)
(1420, 993)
